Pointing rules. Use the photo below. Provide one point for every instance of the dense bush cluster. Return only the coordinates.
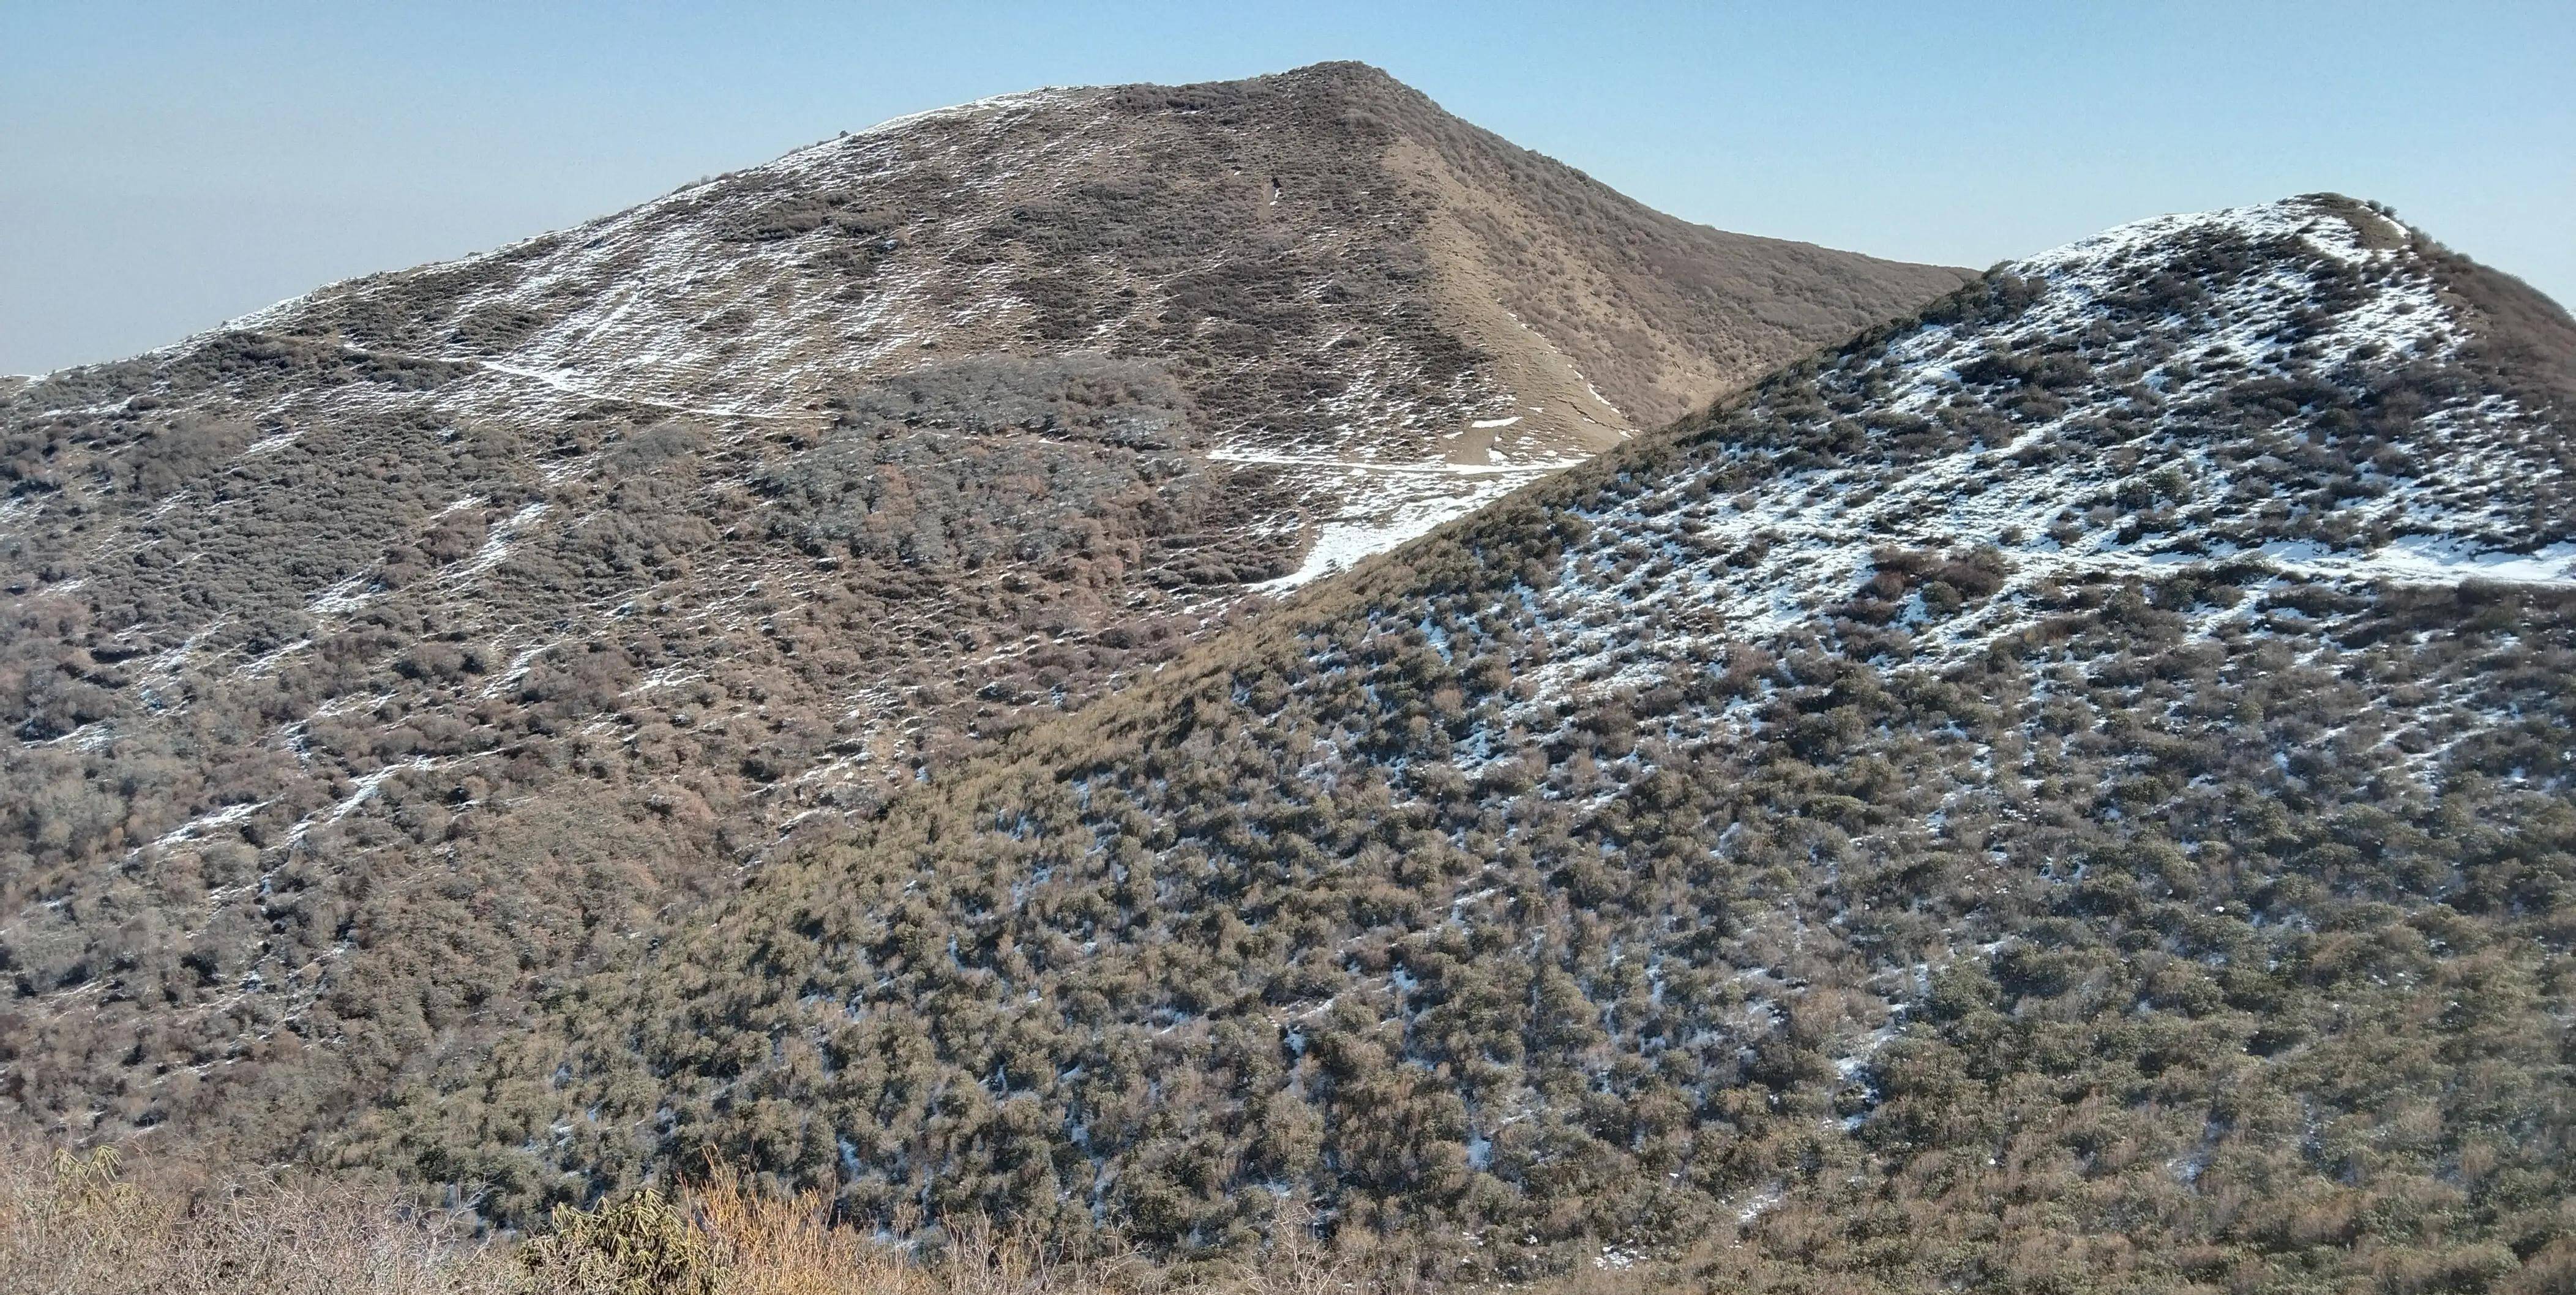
(2172, 924)
(2095, 911)
(2035, 797)
(241, 808)
(374, 665)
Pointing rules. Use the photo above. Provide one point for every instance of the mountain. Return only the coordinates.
(2070, 790)
(383, 659)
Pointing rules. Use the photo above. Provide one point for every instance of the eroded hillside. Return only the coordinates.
(2069, 791)
(376, 661)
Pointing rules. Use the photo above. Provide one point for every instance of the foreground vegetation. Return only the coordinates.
(92, 1224)
(80, 1224)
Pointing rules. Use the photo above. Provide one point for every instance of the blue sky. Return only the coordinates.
(163, 167)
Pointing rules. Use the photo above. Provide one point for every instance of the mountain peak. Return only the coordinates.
(640, 550)
(1333, 77)
(1341, 75)
(1344, 70)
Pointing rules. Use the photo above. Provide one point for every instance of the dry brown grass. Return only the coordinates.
(73, 1224)
(90, 1224)
(724, 1236)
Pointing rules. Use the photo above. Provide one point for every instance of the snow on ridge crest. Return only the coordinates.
(2404, 315)
(1043, 96)
(2284, 217)
(2143, 466)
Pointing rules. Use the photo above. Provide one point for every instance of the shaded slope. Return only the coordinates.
(2159, 875)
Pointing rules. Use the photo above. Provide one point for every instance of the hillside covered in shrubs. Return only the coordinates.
(375, 665)
(2068, 791)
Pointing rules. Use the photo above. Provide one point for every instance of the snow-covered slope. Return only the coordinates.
(2279, 389)
(2080, 772)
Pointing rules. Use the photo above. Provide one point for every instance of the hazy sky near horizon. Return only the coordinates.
(164, 167)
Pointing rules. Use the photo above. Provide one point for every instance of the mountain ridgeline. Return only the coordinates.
(377, 662)
(2069, 790)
